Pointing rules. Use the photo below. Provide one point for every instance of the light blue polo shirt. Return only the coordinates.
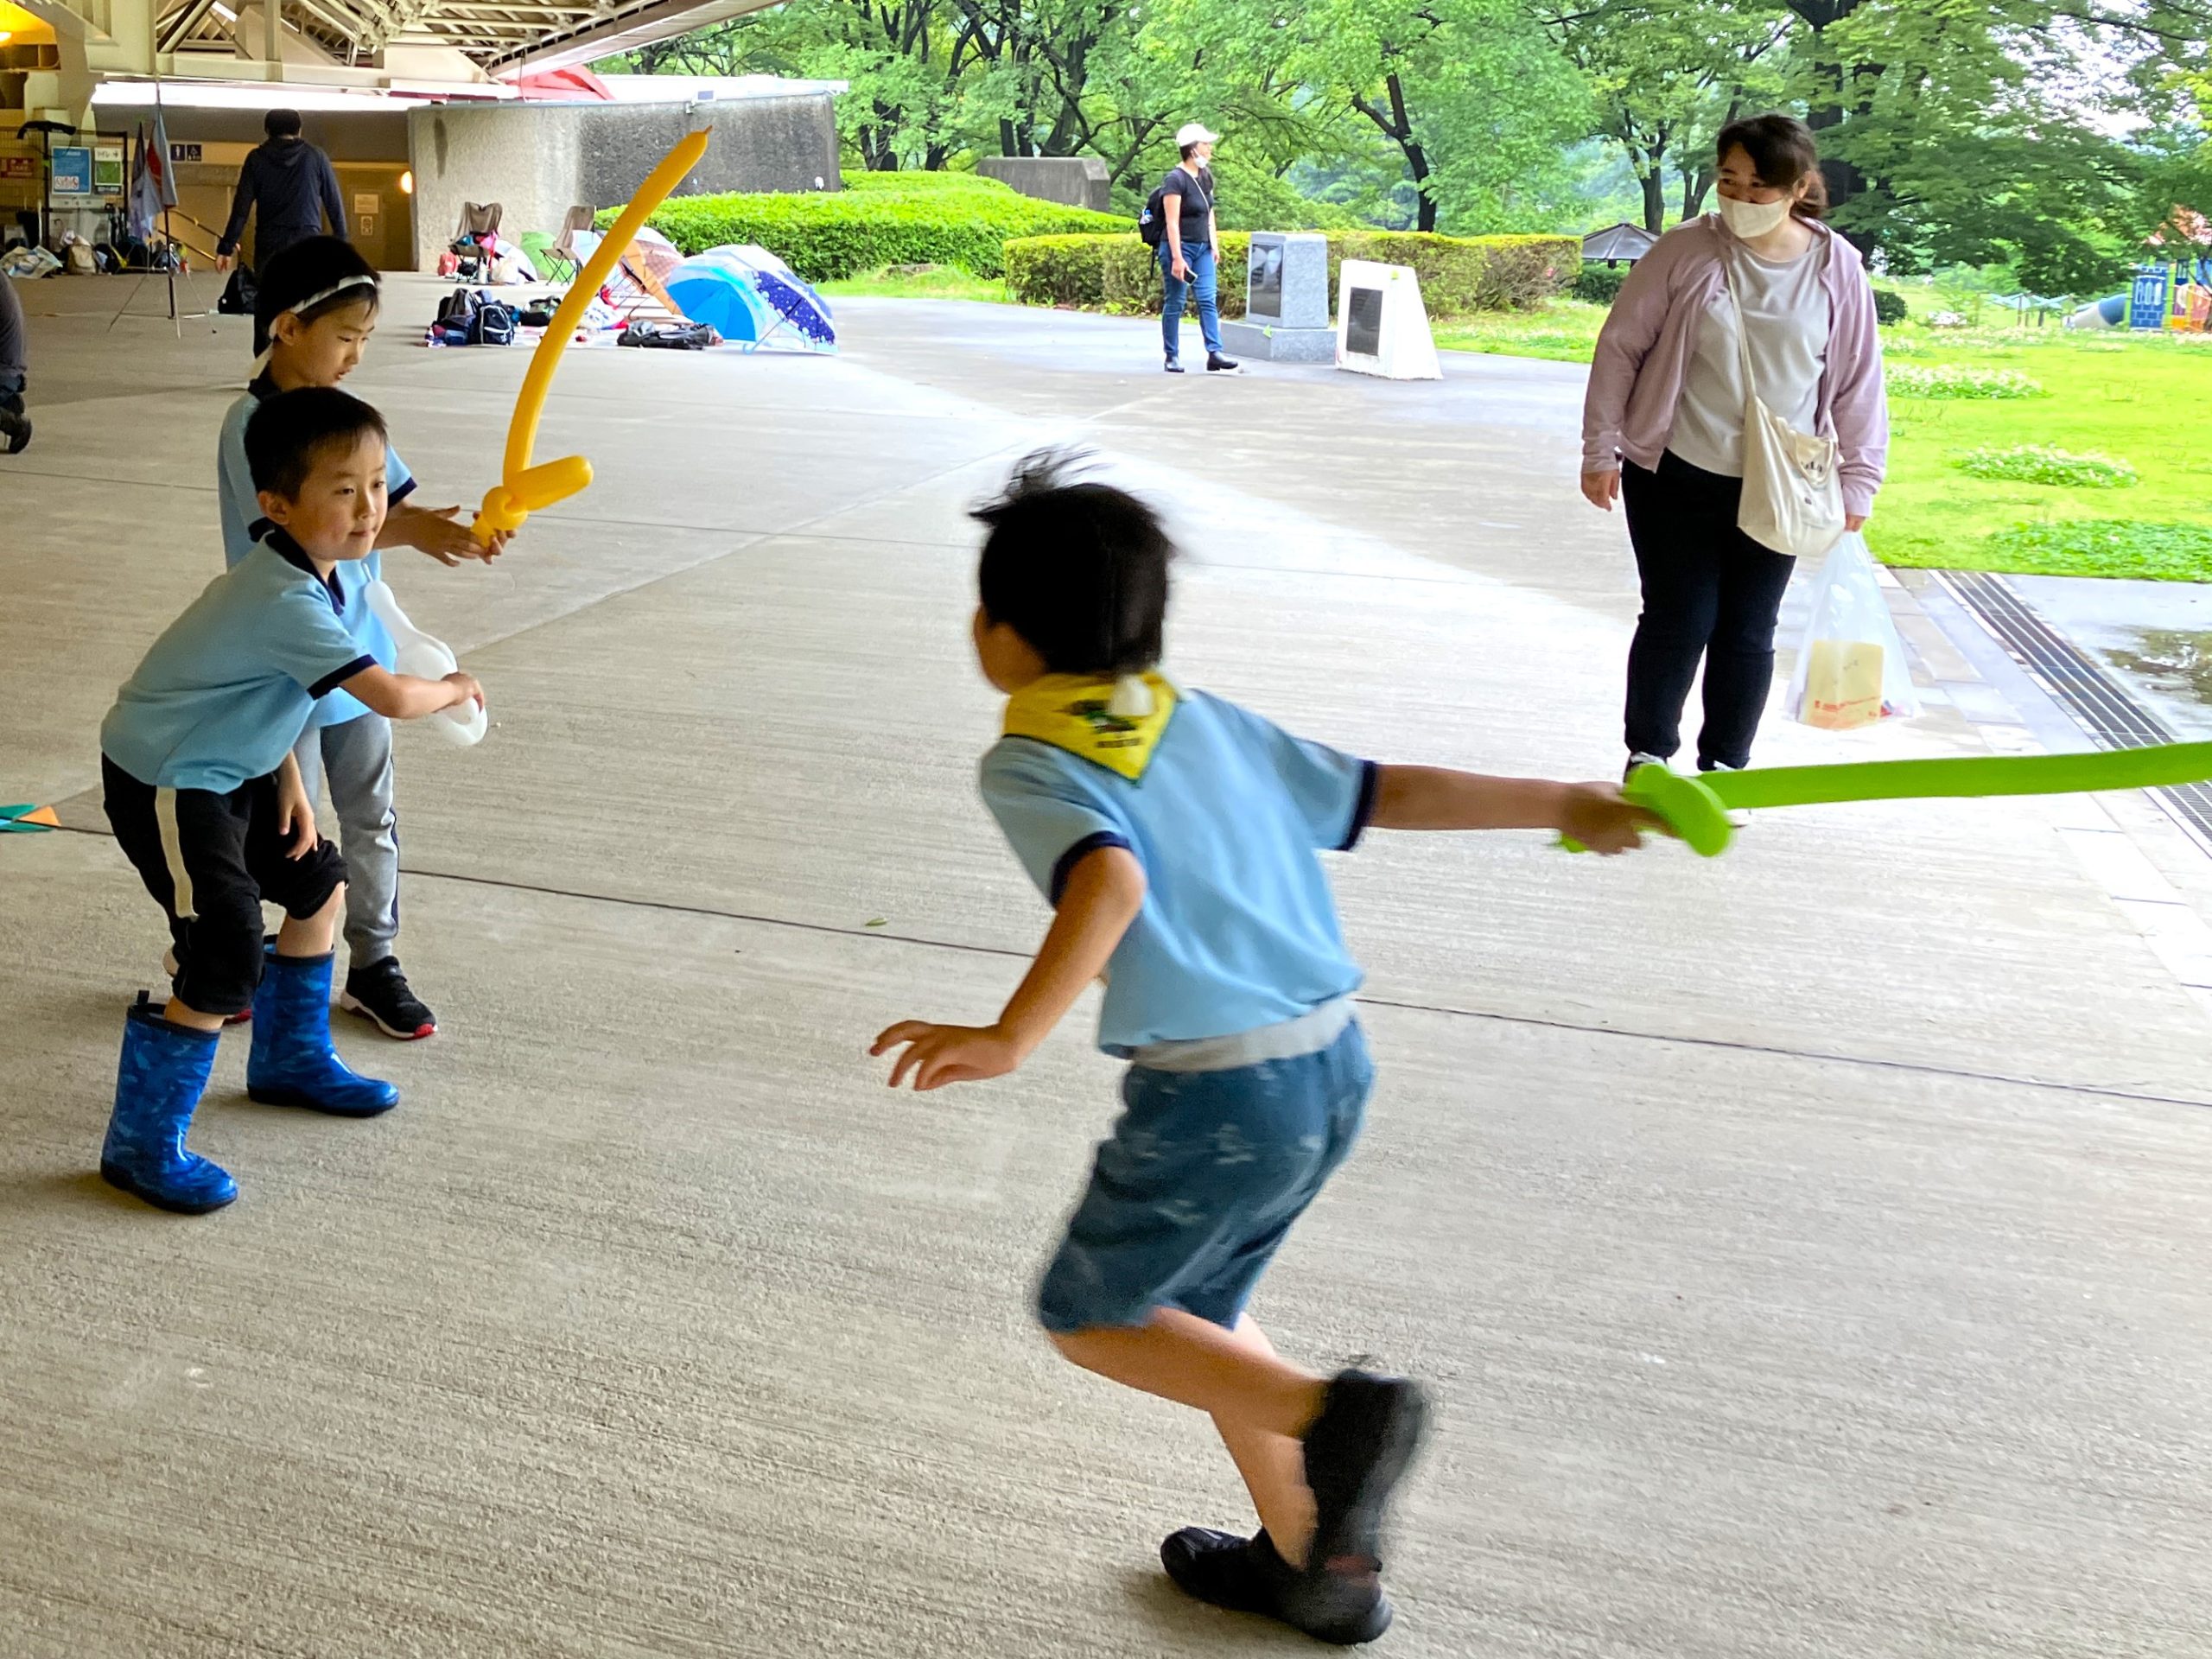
(1239, 928)
(227, 688)
(240, 507)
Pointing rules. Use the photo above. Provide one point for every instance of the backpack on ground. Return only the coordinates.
(670, 337)
(494, 324)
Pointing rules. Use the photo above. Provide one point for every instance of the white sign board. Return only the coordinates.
(1382, 326)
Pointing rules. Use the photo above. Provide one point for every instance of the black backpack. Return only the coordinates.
(494, 324)
(238, 293)
(457, 309)
(1152, 223)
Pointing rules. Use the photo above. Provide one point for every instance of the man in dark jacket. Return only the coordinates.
(15, 370)
(292, 184)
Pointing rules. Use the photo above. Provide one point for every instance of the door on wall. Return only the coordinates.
(379, 215)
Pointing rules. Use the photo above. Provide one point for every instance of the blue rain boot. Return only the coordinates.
(163, 1075)
(292, 1064)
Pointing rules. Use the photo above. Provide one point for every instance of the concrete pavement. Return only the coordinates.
(1807, 1248)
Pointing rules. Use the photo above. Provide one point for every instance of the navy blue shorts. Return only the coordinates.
(1200, 1184)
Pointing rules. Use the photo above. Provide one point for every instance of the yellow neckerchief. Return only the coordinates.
(1071, 712)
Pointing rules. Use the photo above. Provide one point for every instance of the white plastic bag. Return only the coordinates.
(1851, 664)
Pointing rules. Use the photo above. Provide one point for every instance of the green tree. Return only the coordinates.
(1666, 75)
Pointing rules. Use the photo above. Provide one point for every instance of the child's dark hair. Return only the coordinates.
(292, 430)
(1078, 570)
(310, 279)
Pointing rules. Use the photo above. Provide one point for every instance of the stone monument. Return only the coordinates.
(1286, 301)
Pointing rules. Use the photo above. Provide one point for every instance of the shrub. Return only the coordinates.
(1911, 380)
(1065, 271)
(1458, 274)
(2040, 463)
(2103, 546)
(879, 219)
(1889, 306)
(1599, 284)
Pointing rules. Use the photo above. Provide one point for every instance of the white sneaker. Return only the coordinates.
(1639, 759)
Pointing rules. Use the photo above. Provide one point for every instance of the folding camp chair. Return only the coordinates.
(564, 245)
(478, 221)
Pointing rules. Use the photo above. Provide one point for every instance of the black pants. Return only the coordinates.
(211, 860)
(1709, 591)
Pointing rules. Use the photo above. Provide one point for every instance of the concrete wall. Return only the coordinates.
(1076, 181)
(537, 160)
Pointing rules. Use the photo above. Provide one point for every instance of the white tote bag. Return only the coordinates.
(1793, 500)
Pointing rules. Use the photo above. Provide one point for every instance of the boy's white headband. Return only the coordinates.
(359, 280)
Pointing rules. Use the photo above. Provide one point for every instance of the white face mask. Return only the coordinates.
(1749, 220)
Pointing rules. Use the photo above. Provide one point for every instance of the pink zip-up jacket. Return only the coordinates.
(1644, 349)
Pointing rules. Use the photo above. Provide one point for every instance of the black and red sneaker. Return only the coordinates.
(379, 992)
(1355, 1452)
(1245, 1576)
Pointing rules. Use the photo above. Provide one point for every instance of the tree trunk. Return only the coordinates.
(1842, 179)
(1416, 157)
(1655, 199)
(1697, 183)
(1008, 142)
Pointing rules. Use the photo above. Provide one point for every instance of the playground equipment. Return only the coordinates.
(2176, 295)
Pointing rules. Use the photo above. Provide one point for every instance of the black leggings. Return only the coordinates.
(1709, 591)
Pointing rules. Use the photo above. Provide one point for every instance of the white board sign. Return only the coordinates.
(1382, 326)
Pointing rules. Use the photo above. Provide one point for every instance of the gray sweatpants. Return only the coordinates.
(356, 758)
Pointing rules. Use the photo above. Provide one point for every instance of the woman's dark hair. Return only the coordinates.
(1782, 151)
(290, 429)
(1187, 150)
(282, 124)
(1078, 570)
(327, 271)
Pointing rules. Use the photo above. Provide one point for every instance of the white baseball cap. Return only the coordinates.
(1192, 133)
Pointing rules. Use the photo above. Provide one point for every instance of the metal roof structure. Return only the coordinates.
(346, 41)
(498, 36)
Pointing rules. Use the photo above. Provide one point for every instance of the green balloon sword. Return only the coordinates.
(1696, 808)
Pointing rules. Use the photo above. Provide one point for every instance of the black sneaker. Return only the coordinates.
(379, 992)
(14, 430)
(1217, 364)
(1174, 367)
(1245, 1575)
(1355, 1452)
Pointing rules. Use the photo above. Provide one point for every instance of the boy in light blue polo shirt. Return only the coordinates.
(317, 304)
(1176, 836)
(207, 801)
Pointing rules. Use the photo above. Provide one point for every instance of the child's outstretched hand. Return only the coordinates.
(1595, 816)
(938, 1055)
(439, 533)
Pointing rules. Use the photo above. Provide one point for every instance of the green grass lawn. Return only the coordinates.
(2144, 400)
(939, 282)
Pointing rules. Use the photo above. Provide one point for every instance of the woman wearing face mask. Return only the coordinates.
(1663, 426)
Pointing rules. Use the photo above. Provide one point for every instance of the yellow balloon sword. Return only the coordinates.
(522, 487)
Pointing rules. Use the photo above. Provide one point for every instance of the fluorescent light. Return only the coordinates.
(224, 12)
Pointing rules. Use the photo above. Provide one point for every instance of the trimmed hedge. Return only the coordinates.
(878, 219)
(1889, 306)
(1458, 274)
(1599, 284)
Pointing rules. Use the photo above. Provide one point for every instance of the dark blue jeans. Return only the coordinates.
(1199, 260)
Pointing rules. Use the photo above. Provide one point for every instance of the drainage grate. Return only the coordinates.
(2099, 705)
